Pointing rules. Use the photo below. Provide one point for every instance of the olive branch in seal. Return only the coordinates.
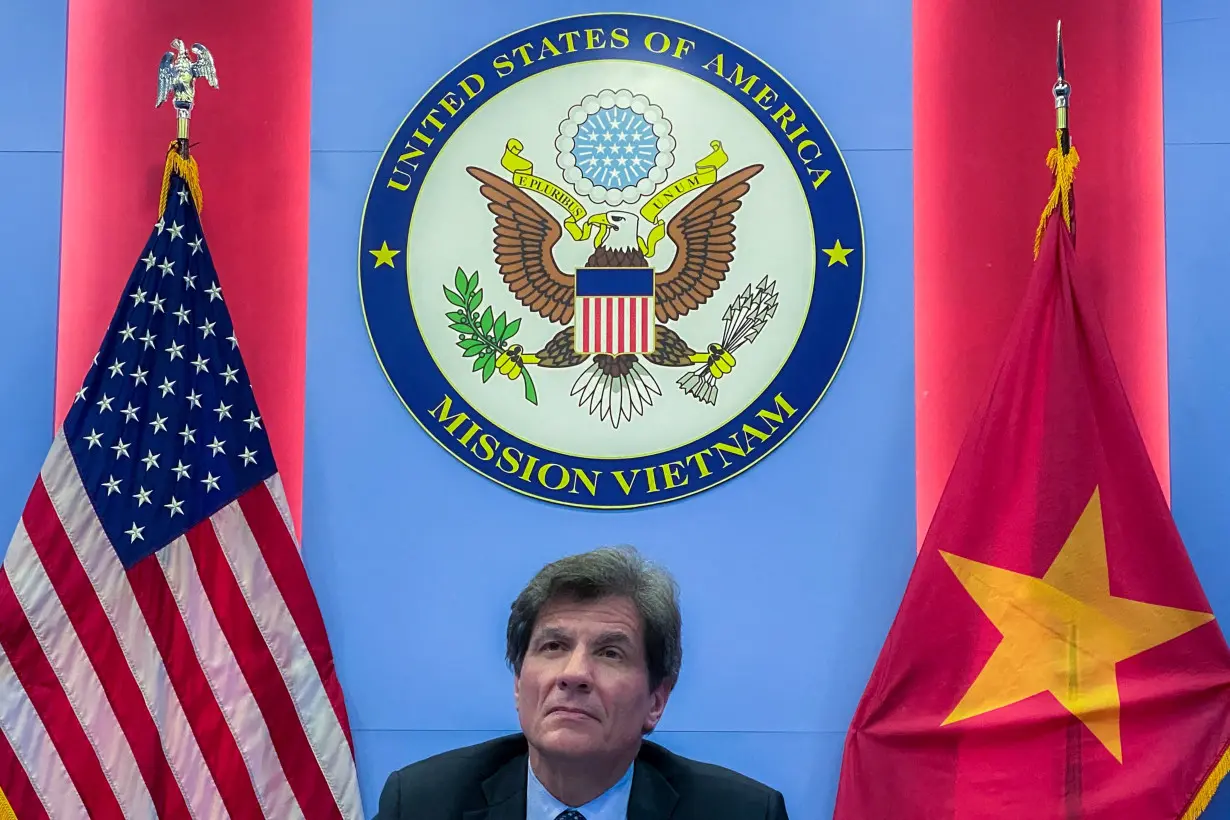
(482, 337)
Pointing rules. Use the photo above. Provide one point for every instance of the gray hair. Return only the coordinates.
(609, 571)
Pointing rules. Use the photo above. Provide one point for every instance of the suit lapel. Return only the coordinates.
(505, 793)
(653, 797)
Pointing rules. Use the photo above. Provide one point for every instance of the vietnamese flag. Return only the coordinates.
(1054, 655)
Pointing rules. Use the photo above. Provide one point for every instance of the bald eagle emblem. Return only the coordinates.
(615, 312)
(177, 74)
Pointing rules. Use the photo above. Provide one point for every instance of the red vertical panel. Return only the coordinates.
(251, 139)
(983, 122)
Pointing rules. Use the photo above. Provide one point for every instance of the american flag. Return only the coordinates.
(614, 310)
(162, 654)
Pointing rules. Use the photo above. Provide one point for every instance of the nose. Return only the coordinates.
(577, 672)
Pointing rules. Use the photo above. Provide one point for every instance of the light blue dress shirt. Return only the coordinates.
(610, 805)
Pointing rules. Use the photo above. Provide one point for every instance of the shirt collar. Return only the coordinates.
(612, 804)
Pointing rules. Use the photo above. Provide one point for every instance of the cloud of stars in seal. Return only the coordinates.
(615, 148)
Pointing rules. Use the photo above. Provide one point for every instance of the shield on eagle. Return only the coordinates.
(614, 311)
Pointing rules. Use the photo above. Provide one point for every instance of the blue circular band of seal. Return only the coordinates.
(624, 482)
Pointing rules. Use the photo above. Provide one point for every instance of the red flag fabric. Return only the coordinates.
(1054, 655)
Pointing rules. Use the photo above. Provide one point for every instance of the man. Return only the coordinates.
(595, 648)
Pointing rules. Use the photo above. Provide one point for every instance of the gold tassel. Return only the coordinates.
(1203, 797)
(187, 170)
(1063, 166)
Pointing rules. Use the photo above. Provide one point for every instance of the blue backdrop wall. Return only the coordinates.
(32, 46)
(791, 573)
(1195, 75)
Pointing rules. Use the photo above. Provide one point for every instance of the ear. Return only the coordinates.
(657, 704)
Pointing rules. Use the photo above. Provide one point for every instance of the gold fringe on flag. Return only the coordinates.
(1063, 166)
(1203, 797)
(187, 170)
(6, 810)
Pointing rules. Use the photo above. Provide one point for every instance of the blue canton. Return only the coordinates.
(165, 430)
(612, 804)
(615, 148)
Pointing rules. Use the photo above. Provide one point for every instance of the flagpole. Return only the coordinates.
(1062, 93)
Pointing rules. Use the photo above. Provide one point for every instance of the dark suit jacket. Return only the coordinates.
(487, 782)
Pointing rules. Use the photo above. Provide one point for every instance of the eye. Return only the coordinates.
(612, 653)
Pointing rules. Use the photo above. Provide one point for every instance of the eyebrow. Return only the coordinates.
(554, 633)
(551, 633)
(613, 637)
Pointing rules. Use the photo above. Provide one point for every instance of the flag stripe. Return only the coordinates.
(250, 555)
(277, 490)
(118, 599)
(608, 323)
(33, 673)
(623, 324)
(222, 687)
(64, 651)
(634, 314)
(252, 654)
(263, 513)
(25, 733)
(595, 319)
(646, 325)
(201, 710)
(93, 630)
(16, 790)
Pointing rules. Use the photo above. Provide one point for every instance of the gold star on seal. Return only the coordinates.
(1063, 633)
(838, 254)
(384, 256)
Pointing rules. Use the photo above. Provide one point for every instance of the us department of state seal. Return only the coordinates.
(611, 260)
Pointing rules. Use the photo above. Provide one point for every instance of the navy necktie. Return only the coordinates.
(571, 814)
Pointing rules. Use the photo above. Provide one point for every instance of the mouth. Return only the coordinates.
(571, 712)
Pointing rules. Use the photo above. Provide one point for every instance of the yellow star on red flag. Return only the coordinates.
(1063, 633)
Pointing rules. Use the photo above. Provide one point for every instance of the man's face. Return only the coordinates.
(584, 690)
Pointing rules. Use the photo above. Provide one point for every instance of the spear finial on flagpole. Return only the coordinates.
(1062, 159)
(1062, 91)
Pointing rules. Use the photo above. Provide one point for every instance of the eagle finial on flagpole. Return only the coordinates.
(177, 76)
